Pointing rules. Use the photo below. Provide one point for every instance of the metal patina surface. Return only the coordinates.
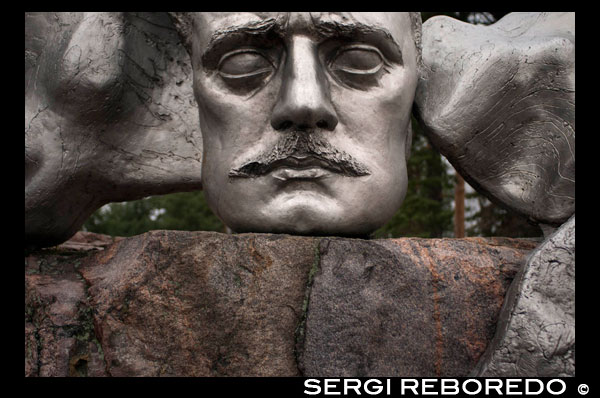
(305, 117)
(536, 331)
(109, 116)
(499, 102)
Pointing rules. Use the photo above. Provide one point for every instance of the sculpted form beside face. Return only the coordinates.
(305, 118)
(109, 116)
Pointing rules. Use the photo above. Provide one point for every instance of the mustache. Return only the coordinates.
(301, 145)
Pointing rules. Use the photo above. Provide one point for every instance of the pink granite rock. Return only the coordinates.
(176, 303)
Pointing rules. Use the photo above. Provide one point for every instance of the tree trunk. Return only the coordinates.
(459, 207)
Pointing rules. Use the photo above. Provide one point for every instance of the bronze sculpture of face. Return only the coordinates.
(305, 118)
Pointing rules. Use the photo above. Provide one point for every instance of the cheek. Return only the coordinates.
(376, 120)
(230, 122)
(391, 100)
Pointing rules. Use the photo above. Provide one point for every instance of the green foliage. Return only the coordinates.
(121, 219)
(186, 211)
(427, 209)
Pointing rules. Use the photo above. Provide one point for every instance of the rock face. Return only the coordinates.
(405, 307)
(177, 303)
(536, 329)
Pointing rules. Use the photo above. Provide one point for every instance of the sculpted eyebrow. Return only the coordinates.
(354, 30)
(262, 30)
(257, 29)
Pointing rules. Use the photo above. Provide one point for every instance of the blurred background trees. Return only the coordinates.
(428, 210)
(186, 211)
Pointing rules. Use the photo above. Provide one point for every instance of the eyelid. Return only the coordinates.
(244, 51)
(253, 73)
(365, 47)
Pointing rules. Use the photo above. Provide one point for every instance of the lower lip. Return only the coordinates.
(311, 173)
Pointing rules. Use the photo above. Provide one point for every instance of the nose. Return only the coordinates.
(304, 101)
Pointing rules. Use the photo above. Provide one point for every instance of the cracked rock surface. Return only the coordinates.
(536, 330)
(175, 303)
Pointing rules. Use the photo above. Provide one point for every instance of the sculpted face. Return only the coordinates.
(305, 118)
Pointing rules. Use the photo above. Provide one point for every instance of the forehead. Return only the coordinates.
(397, 26)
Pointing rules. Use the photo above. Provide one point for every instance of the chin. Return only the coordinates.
(308, 212)
(309, 220)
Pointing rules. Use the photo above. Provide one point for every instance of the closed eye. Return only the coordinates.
(358, 66)
(244, 63)
(357, 59)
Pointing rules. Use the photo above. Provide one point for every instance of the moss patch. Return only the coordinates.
(300, 329)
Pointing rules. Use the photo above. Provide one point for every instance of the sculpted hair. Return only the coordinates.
(417, 28)
(184, 23)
